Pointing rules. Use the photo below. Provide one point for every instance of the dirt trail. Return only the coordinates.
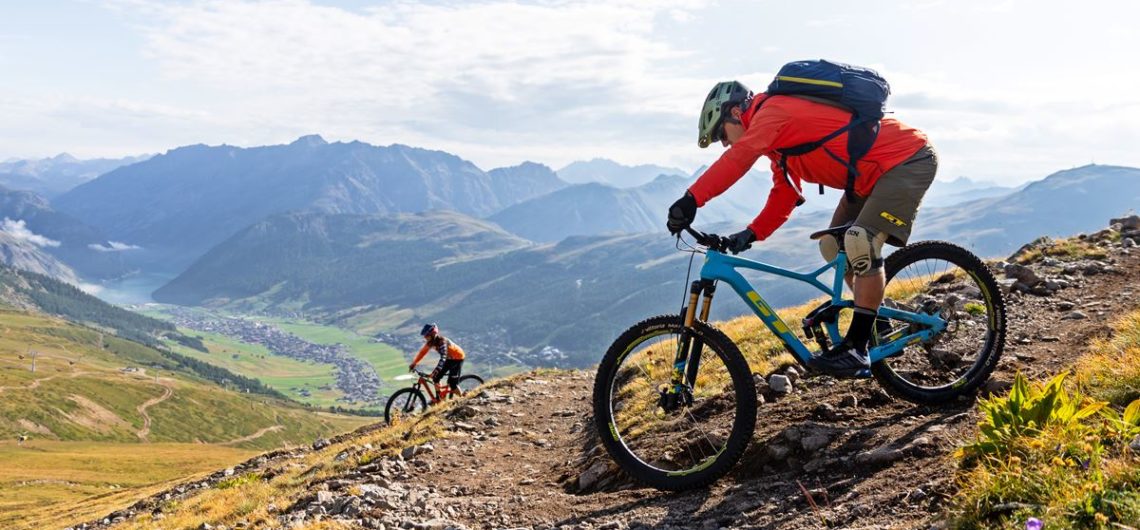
(167, 391)
(517, 462)
(36, 382)
(254, 436)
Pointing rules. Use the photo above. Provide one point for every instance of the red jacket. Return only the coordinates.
(785, 121)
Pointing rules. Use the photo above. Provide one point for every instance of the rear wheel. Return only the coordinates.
(940, 278)
(669, 439)
(405, 403)
(468, 383)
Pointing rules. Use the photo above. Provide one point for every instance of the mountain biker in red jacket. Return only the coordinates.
(892, 179)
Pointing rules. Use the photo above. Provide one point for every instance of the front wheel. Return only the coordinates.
(942, 279)
(405, 403)
(667, 437)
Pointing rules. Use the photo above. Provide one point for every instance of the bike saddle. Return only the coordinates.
(836, 231)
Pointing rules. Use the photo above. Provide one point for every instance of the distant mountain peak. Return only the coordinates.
(310, 140)
(64, 157)
(614, 173)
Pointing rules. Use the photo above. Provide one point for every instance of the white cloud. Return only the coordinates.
(112, 246)
(18, 229)
(575, 74)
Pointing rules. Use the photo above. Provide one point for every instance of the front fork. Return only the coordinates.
(687, 362)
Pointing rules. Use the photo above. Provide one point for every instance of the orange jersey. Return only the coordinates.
(445, 347)
(786, 121)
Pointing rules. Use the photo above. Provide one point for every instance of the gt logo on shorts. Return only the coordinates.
(894, 220)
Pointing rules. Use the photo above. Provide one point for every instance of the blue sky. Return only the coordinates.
(1008, 91)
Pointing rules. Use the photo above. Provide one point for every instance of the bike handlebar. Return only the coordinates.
(712, 241)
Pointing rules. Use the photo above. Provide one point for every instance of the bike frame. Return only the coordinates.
(722, 267)
(434, 392)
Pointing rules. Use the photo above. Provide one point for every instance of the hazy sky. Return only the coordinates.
(1007, 90)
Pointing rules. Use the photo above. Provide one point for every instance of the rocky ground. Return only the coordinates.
(840, 454)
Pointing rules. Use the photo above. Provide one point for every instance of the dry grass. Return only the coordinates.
(248, 499)
(1070, 249)
(1111, 369)
(76, 481)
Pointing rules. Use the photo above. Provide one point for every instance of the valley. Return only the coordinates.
(89, 421)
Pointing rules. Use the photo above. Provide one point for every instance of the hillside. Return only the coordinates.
(592, 209)
(83, 399)
(81, 247)
(18, 252)
(841, 454)
(342, 260)
(179, 204)
(489, 289)
(1064, 203)
(29, 290)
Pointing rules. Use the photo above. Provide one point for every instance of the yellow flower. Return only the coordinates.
(1057, 461)
(1101, 518)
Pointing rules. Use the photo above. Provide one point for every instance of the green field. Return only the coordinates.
(51, 484)
(388, 361)
(288, 376)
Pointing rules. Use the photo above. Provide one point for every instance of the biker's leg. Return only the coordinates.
(845, 212)
(455, 371)
(864, 251)
(438, 373)
(886, 217)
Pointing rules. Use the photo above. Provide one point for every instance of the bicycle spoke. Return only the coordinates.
(673, 436)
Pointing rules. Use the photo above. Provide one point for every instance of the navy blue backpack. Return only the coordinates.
(861, 91)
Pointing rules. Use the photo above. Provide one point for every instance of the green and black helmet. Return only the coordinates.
(719, 102)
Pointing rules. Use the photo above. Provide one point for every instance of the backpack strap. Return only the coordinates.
(805, 148)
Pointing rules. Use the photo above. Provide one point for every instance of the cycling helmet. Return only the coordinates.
(429, 330)
(717, 105)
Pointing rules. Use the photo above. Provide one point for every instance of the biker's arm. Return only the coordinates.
(758, 139)
(781, 201)
(420, 356)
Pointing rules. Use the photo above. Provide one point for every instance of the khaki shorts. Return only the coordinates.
(894, 201)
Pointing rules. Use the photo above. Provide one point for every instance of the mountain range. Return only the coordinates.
(53, 176)
(610, 173)
(576, 293)
(179, 204)
(351, 233)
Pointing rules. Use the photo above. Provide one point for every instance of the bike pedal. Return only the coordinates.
(864, 373)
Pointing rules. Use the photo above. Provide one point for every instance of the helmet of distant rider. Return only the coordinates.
(719, 103)
(429, 330)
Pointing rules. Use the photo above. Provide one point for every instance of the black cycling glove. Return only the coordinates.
(741, 241)
(682, 213)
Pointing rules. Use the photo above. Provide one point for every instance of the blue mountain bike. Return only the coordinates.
(674, 397)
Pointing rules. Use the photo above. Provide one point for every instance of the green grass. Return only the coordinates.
(388, 361)
(375, 320)
(1036, 452)
(286, 375)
